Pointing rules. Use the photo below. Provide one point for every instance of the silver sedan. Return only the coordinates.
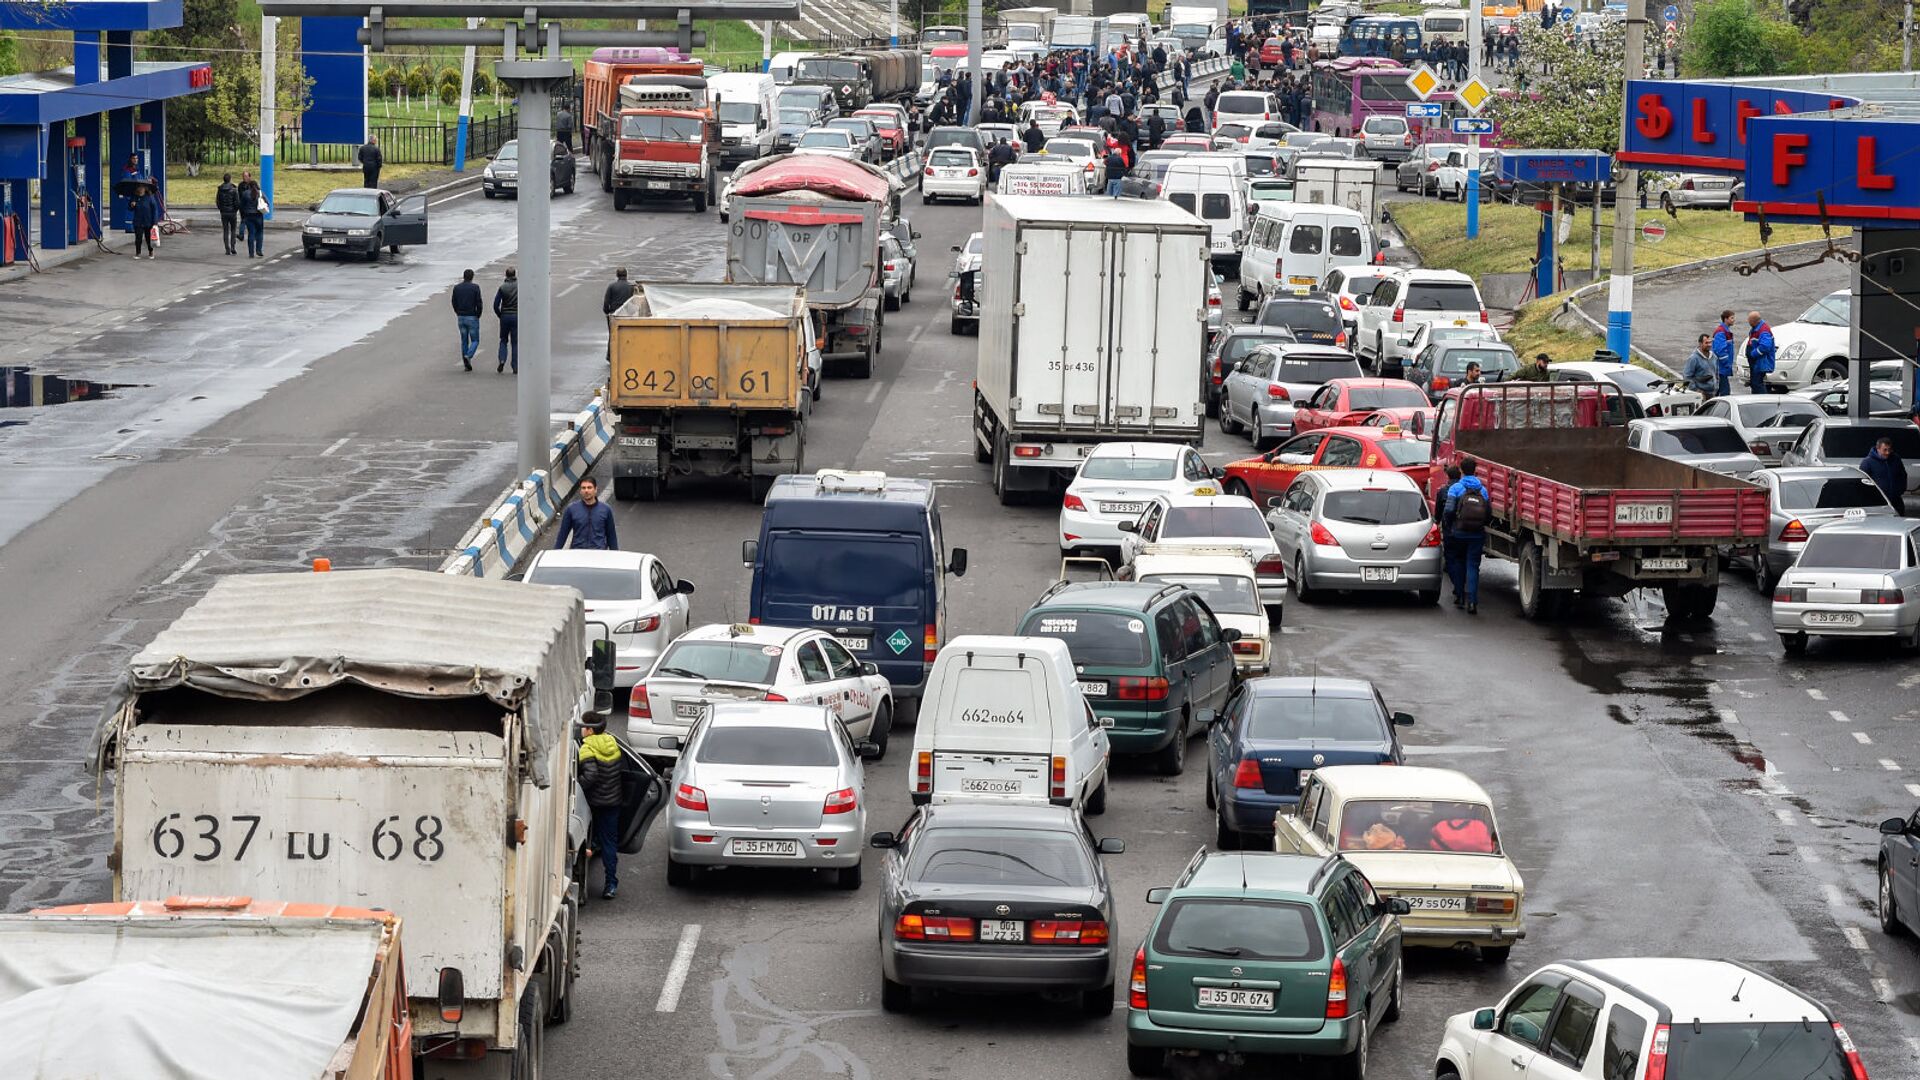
(768, 785)
(1260, 396)
(1768, 423)
(1702, 442)
(1800, 500)
(1859, 577)
(1358, 529)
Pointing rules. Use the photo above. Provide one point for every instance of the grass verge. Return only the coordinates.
(292, 187)
(1534, 332)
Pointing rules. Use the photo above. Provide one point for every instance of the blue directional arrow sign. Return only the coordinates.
(1472, 125)
(1418, 111)
(1671, 13)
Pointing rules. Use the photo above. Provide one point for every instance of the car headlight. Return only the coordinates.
(311, 230)
(359, 232)
(487, 172)
(1794, 351)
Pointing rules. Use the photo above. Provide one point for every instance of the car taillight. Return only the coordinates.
(1057, 788)
(1247, 774)
(1493, 905)
(841, 802)
(1760, 448)
(1407, 139)
(1337, 991)
(1686, 185)
(639, 626)
(688, 797)
(1400, 314)
(922, 772)
(929, 170)
(1433, 537)
(1858, 1068)
(1483, 317)
(1440, 382)
(1137, 982)
(1789, 595)
(1882, 596)
(973, 172)
(888, 266)
(1794, 533)
(1072, 502)
(1653, 410)
(1068, 931)
(1340, 339)
(1247, 648)
(1433, 166)
(1213, 301)
(1346, 304)
(1322, 537)
(1029, 450)
(1140, 688)
(1276, 268)
(1270, 564)
(932, 928)
(771, 696)
(1657, 1055)
(1278, 392)
(930, 643)
(638, 706)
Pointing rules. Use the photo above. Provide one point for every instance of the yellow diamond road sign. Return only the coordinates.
(1473, 95)
(1423, 81)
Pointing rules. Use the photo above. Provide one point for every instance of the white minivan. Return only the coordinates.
(746, 114)
(1003, 719)
(1292, 246)
(1213, 188)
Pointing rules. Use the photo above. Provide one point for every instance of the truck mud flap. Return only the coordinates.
(778, 455)
(634, 459)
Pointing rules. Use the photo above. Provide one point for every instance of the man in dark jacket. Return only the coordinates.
(588, 524)
(563, 127)
(1035, 139)
(146, 218)
(1886, 470)
(1759, 352)
(1116, 169)
(252, 218)
(506, 307)
(468, 306)
(226, 199)
(601, 782)
(370, 162)
(618, 293)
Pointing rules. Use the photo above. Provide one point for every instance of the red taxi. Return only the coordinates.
(1349, 401)
(1272, 473)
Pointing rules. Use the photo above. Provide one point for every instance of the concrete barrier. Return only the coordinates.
(508, 531)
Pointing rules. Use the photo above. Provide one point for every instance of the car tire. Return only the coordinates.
(1889, 913)
(895, 997)
(847, 878)
(1302, 591)
(1354, 1066)
(1392, 1013)
(1224, 838)
(311, 254)
(1459, 194)
(882, 730)
(1245, 298)
(1239, 487)
(488, 192)
(568, 187)
(1495, 954)
(1097, 802)
(1145, 1060)
(954, 326)
(891, 303)
(1212, 801)
(1097, 1003)
(1833, 367)
(1427, 597)
(1275, 613)
(1228, 425)
(1763, 579)
(1794, 644)
(1172, 758)
(679, 874)
(1666, 202)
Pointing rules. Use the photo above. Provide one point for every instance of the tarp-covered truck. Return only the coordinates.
(708, 380)
(380, 738)
(208, 987)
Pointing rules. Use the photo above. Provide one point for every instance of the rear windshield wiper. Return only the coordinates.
(1231, 950)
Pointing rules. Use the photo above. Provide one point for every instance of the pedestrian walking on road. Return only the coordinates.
(370, 162)
(253, 215)
(618, 293)
(506, 308)
(1759, 352)
(1723, 353)
(601, 781)
(1465, 520)
(468, 306)
(563, 128)
(1700, 373)
(226, 199)
(146, 220)
(1888, 472)
(1449, 548)
(588, 524)
(1116, 170)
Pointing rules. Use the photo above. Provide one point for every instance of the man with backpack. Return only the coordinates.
(1465, 521)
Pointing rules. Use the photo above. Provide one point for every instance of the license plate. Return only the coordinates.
(1642, 513)
(1663, 564)
(333, 239)
(1122, 508)
(1012, 930)
(1436, 903)
(1388, 574)
(1305, 775)
(639, 440)
(855, 644)
(763, 847)
(1106, 721)
(980, 786)
(1230, 997)
(1097, 689)
(1300, 281)
(657, 185)
(688, 710)
(1831, 618)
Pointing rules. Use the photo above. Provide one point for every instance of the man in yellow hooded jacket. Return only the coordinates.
(601, 781)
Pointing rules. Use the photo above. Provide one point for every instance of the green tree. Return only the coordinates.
(1850, 35)
(396, 80)
(417, 83)
(376, 85)
(1734, 38)
(1570, 97)
(9, 54)
(450, 92)
(229, 111)
(482, 82)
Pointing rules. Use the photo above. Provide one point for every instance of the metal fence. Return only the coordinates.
(427, 143)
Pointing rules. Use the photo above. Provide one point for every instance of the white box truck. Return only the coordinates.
(375, 738)
(1360, 186)
(1093, 322)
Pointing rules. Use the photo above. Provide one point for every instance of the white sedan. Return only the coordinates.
(641, 605)
(1657, 396)
(954, 172)
(1809, 350)
(1116, 483)
(739, 662)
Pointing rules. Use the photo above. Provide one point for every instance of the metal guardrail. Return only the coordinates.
(511, 527)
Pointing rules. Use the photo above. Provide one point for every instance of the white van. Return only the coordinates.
(1041, 178)
(1443, 26)
(1245, 106)
(1291, 246)
(745, 105)
(1003, 719)
(783, 65)
(1213, 188)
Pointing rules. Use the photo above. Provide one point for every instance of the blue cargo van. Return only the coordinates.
(859, 555)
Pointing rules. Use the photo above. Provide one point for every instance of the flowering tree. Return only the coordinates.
(1568, 96)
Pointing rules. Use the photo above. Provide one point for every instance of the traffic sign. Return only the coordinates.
(1670, 13)
(1472, 125)
(1653, 232)
(1423, 81)
(1473, 94)
(1418, 111)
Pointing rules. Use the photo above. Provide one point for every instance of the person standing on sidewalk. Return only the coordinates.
(1723, 352)
(226, 199)
(506, 307)
(588, 524)
(252, 216)
(1759, 352)
(1699, 374)
(468, 306)
(370, 162)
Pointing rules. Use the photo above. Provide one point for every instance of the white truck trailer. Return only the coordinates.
(1093, 322)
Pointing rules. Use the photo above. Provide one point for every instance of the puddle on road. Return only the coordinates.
(20, 388)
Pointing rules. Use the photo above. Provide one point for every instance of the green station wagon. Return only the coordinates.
(1150, 658)
(1259, 953)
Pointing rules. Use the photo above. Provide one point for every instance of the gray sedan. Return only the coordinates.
(1859, 577)
(1260, 396)
(1769, 423)
(1357, 529)
(1800, 500)
(1834, 440)
(1702, 442)
(988, 898)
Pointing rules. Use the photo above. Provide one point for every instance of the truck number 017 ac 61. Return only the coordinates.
(205, 837)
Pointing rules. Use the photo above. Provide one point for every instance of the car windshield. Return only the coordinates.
(1386, 397)
(1848, 444)
(1695, 440)
(1834, 309)
(1418, 825)
(829, 569)
(351, 202)
(1796, 1048)
(1239, 346)
(1404, 452)
(739, 112)
(792, 117)
(1009, 858)
(1442, 296)
(721, 661)
(1374, 507)
(594, 582)
(1830, 550)
(1183, 521)
(657, 128)
(1830, 493)
(509, 151)
(1098, 638)
(1262, 165)
(1312, 316)
(852, 125)
(1242, 103)
(1491, 361)
(1225, 594)
(1249, 929)
(789, 746)
(1778, 414)
(823, 68)
(1291, 717)
(1635, 380)
(1306, 369)
(1113, 467)
(882, 121)
(1073, 148)
(831, 140)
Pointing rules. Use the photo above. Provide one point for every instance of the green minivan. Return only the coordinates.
(1150, 659)
(1258, 953)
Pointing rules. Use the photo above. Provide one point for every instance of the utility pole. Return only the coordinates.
(1626, 198)
(893, 22)
(974, 33)
(466, 104)
(269, 50)
(1473, 141)
(1906, 38)
(766, 46)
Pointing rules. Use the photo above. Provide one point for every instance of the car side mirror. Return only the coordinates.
(1112, 845)
(1384, 242)
(955, 249)
(1208, 717)
(684, 588)
(1229, 635)
(1158, 895)
(600, 663)
(1401, 719)
(1274, 501)
(602, 702)
(452, 995)
(916, 235)
(1894, 826)
(1218, 472)
(868, 667)
(866, 749)
(1419, 423)
(668, 742)
(1483, 1020)
(1398, 906)
(883, 841)
(749, 552)
(957, 562)
(1129, 526)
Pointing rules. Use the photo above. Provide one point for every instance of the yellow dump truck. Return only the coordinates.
(709, 380)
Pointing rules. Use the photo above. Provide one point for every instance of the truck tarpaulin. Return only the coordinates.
(836, 177)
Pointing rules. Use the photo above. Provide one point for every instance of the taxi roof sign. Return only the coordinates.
(1423, 81)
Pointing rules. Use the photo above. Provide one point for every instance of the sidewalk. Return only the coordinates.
(1669, 312)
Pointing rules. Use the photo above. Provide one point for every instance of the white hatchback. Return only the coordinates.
(629, 593)
(1116, 483)
(953, 172)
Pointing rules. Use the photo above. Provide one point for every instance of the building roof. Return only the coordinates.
(49, 97)
(92, 15)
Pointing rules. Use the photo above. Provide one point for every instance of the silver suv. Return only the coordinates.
(1386, 138)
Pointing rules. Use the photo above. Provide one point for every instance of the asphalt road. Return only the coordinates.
(1664, 792)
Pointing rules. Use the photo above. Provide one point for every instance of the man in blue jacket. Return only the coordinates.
(1759, 352)
(588, 523)
(1888, 472)
(1464, 521)
(1723, 352)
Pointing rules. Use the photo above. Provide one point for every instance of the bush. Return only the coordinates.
(448, 75)
(376, 84)
(417, 84)
(396, 80)
(450, 93)
(482, 82)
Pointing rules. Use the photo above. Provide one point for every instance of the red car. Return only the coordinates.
(1349, 401)
(1273, 51)
(887, 123)
(1272, 473)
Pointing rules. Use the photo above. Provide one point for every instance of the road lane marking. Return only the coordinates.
(873, 395)
(1816, 693)
(1854, 937)
(1728, 716)
(1914, 790)
(567, 290)
(282, 358)
(1889, 764)
(1808, 855)
(1839, 716)
(1785, 815)
(1863, 738)
(124, 443)
(185, 567)
(677, 971)
(338, 443)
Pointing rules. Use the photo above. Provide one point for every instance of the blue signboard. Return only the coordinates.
(1867, 171)
(1703, 126)
(1555, 166)
(1472, 125)
(1670, 13)
(337, 63)
(1423, 110)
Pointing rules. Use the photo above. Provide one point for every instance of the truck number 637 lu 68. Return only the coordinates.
(207, 837)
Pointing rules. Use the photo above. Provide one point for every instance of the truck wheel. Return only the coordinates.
(1000, 470)
(892, 303)
(624, 487)
(561, 1010)
(648, 488)
(863, 367)
(533, 1034)
(1533, 600)
(699, 202)
(603, 164)
(619, 200)
(759, 486)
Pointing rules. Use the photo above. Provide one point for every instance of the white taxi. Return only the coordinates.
(739, 662)
(1223, 577)
(1117, 481)
(954, 172)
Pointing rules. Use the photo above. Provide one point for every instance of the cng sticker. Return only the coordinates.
(898, 641)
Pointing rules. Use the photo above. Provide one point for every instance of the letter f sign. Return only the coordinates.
(1789, 153)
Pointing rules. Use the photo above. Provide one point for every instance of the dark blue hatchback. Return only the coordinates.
(1274, 732)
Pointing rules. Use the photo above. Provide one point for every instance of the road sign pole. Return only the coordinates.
(1620, 282)
(466, 105)
(269, 27)
(1474, 30)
